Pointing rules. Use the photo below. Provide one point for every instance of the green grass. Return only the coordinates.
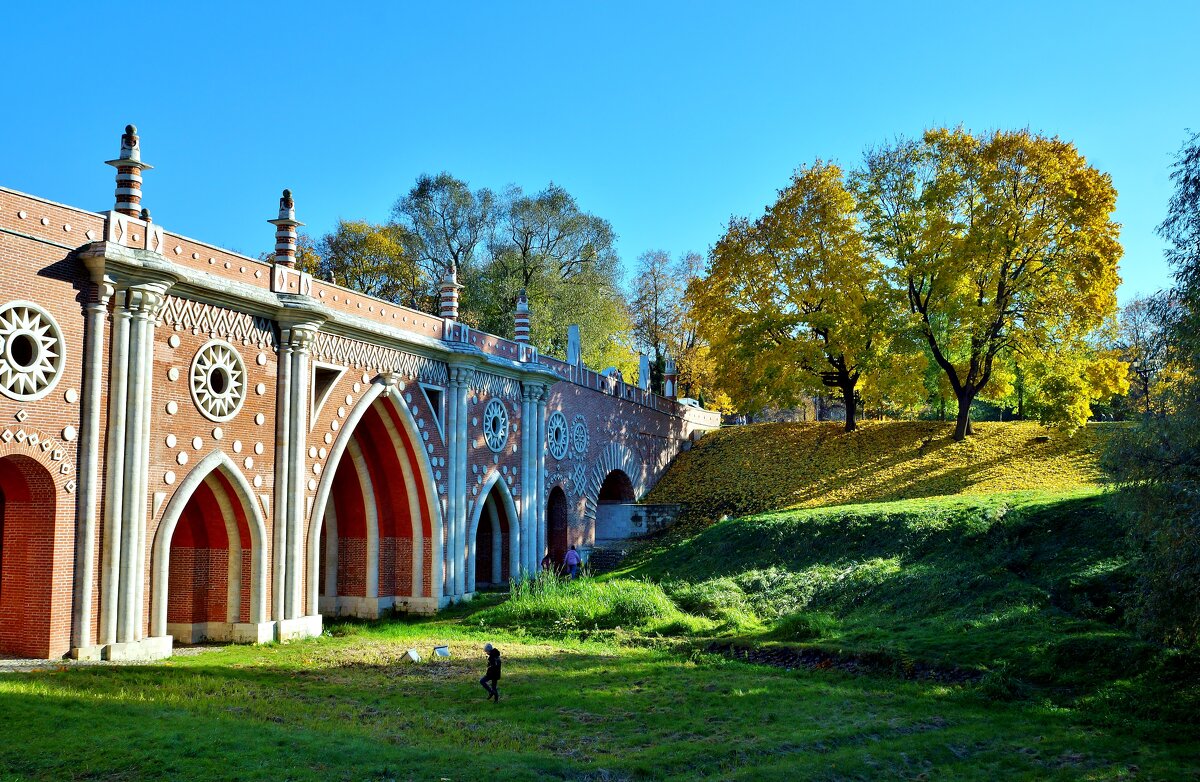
(344, 708)
(1024, 590)
(1014, 599)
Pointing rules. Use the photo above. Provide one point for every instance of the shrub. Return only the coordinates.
(561, 605)
(804, 626)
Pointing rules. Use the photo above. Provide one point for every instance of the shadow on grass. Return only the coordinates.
(343, 709)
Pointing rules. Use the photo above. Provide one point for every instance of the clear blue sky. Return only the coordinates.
(663, 118)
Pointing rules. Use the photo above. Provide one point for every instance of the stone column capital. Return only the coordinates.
(146, 301)
(299, 337)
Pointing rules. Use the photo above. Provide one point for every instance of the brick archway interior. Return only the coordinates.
(556, 531)
(617, 488)
(27, 516)
(210, 566)
(492, 538)
(378, 511)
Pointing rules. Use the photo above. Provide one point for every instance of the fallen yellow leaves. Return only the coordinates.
(748, 469)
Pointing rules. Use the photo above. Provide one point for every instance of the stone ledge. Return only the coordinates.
(295, 629)
(155, 648)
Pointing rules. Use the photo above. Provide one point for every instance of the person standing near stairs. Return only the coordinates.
(571, 561)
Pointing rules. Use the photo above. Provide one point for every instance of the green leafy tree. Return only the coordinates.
(445, 224)
(375, 260)
(794, 301)
(1005, 249)
(565, 260)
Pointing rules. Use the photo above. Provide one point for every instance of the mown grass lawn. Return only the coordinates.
(344, 708)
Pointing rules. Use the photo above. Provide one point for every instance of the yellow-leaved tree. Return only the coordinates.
(794, 301)
(1005, 250)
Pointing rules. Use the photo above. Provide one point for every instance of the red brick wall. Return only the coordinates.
(28, 546)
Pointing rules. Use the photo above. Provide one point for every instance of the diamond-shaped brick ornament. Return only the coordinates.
(66, 468)
(58, 454)
(33, 438)
(47, 445)
(21, 435)
(21, 415)
(70, 486)
(7, 436)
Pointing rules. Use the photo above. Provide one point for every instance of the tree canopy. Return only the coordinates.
(1005, 249)
(794, 302)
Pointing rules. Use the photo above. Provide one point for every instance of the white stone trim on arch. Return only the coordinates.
(614, 456)
(380, 387)
(161, 554)
(514, 526)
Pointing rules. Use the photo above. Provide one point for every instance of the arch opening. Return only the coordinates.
(492, 543)
(209, 560)
(374, 549)
(27, 521)
(556, 525)
(616, 488)
(612, 507)
(210, 564)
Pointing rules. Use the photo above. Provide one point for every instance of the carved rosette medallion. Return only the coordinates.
(218, 381)
(495, 425)
(557, 439)
(31, 351)
(579, 434)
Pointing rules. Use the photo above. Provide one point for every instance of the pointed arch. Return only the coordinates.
(28, 511)
(614, 456)
(557, 532)
(214, 464)
(382, 406)
(493, 489)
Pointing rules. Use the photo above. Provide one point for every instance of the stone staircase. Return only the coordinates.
(605, 558)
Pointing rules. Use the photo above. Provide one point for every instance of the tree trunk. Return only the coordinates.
(962, 424)
(847, 387)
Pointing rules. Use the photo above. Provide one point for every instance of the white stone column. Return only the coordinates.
(301, 338)
(528, 509)
(122, 603)
(279, 545)
(118, 382)
(87, 506)
(460, 470)
(539, 451)
(448, 568)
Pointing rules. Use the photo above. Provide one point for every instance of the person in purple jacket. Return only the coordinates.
(571, 561)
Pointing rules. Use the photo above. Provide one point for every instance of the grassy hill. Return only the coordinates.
(751, 469)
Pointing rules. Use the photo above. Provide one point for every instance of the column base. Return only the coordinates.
(421, 605)
(155, 648)
(253, 632)
(295, 629)
(85, 652)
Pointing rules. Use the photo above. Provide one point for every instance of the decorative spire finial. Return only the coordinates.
(129, 167)
(521, 318)
(285, 230)
(448, 294)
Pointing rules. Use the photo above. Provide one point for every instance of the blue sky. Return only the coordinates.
(663, 118)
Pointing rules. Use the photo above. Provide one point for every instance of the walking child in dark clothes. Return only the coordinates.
(491, 679)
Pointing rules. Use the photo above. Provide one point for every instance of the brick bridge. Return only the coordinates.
(197, 444)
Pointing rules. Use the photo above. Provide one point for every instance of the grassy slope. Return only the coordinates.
(1025, 582)
(751, 469)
